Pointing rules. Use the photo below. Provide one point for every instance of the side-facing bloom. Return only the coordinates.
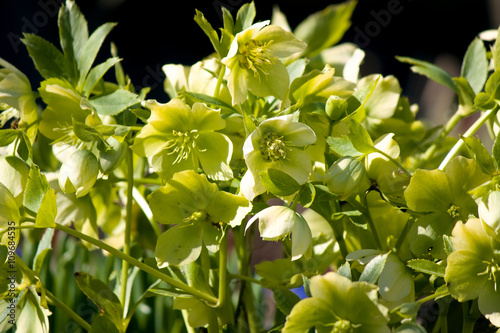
(275, 145)
(277, 222)
(253, 60)
(198, 209)
(338, 305)
(178, 137)
(473, 268)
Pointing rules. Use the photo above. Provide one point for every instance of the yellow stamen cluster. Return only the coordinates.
(256, 56)
(182, 143)
(272, 147)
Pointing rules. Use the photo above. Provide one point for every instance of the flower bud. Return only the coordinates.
(345, 176)
(113, 156)
(489, 213)
(335, 107)
(79, 173)
(93, 120)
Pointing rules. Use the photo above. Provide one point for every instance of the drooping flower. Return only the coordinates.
(178, 137)
(338, 305)
(79, 173)
(277, 222)
(473, 268)
(253, 60)
(275, 145)
(198, 209)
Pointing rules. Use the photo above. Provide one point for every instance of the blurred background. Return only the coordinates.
(151, 33)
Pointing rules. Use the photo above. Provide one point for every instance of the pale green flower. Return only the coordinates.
(199, 209)
(79, 173)
(275, 145)
(178, 137)
(489, 213)
(254, 61)
(277, 222)
(338, 305)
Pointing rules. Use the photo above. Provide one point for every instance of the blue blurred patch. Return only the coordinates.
(299, 292)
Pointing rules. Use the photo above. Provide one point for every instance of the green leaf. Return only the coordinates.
(49, 61)
(244, 17)
(358, 99)
(433, 72)
(228, 20)
(278, 182)
(410, 328)
(87, 56)
(480, 154)
(103, 324)
(360, 138)
(178, 246)
(325, 28)
(97, 73)
(345, 270)
(342, 146)
(285, 300)
(7, 136)
(46, 215)
(36, 188)
(426, 266)
(167, 292)
(496, 150)
(210, 32)
(43, 249)
(108, 303)
(475, 65)
(373, 269)
(466, 96)
(496, 52)
(197, 97)
(409, 310)
(114, 103)
(307, 195)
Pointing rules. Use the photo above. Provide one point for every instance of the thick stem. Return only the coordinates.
(79, 320)
(128, 227)
(142, 266)
(473, 129)
(219, 80)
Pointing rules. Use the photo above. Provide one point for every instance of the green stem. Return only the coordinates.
(222, 271)
(146, 210)
(467, 322)
(128, 226)
(79, 320)
(473, 129)
(338, 229)
(139, 181)
(366, 212)
(244, 278)
(131, 260)
(219, 81)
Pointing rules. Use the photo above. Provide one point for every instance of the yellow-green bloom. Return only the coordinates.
(277, 222)
(254, 61)
(79, 173)
(338, 305)
(275, 145)
(489, 213)
(178, 137)
(198, 209)
(473, 269)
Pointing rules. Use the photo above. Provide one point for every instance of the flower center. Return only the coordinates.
(491, 271)
(343, 326)
(272, 147)
(453, 211)
(181, 143)
(257, 57)
(196, 217)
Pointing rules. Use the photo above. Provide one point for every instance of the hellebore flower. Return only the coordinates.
(473, 268)
(489, 213)
(345, 176)
(274, 144)
(338, 305)
(178, 137)
(199, 209)
(277, 222)
(79, 173)
(253, 60)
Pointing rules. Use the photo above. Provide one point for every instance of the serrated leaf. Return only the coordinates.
(244, 17)
(114, 103)
(108, 303)
(197, 97)
(345, 270)
(325, 28)
(466, 96)
(278, 182)
(285, 299)
(97, 73)
(46, 215)
(210, 32)
(433, 72)
(87, 56)
(480, 154)
(426, 266)
(228, 20)
(49, 61)
(374, 268)
(36, 187)
(475, 65)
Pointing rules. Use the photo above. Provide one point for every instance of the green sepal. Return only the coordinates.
(480, 154)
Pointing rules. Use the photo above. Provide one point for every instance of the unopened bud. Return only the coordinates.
(335, 107)
(78, 173)
(110, 159)
(345, 176)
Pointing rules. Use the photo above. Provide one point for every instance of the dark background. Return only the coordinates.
(153, 33)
